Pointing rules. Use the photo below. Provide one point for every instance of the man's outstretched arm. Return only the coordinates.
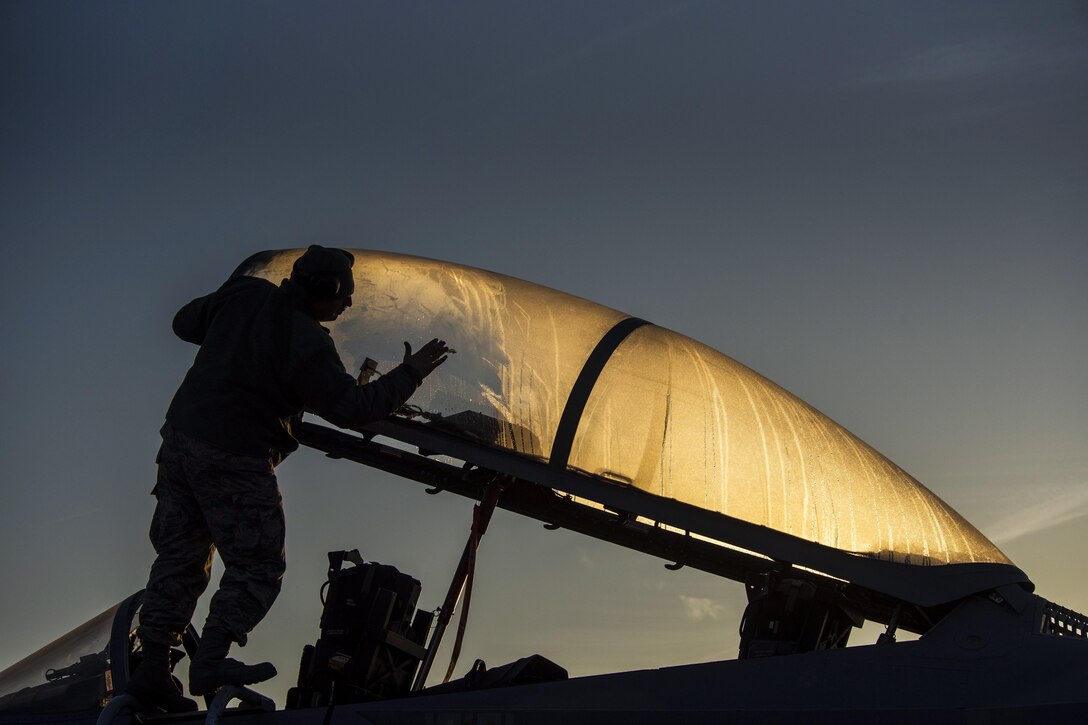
(329, 391)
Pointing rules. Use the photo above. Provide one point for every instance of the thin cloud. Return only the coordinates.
(970, 61)
(698, 609)
(1048, 513)
(77, 515)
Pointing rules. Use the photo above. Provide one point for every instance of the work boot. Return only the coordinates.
(212, 669)
(153, 685)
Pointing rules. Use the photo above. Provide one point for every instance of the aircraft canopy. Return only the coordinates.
(666, 414)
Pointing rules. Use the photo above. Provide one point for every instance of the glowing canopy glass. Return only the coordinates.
(666, 414)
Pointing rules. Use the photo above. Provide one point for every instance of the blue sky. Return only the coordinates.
(881, 206)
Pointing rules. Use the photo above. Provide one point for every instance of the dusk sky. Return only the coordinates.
(881, 206)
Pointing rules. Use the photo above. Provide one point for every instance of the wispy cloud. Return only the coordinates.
(698, 609)
(77, 515)
(1049, 512)
(970, 61)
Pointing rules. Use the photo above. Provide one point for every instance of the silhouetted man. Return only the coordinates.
(264, 357)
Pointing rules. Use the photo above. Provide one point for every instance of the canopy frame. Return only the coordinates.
(672, 530)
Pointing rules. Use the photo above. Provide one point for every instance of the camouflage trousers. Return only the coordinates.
(211, 499)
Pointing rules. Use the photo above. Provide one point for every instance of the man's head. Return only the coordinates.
(323, 274)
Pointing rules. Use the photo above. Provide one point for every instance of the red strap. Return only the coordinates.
(462, 622)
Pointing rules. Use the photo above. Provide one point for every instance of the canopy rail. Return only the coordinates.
(923, 585)
(558, 509)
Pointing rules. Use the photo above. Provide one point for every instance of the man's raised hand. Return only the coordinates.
(428, 357)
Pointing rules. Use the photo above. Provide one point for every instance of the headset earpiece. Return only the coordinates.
(324, 272)
(324, 285)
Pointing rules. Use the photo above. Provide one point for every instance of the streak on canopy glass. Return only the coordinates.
(519, 346)
(680, 420)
